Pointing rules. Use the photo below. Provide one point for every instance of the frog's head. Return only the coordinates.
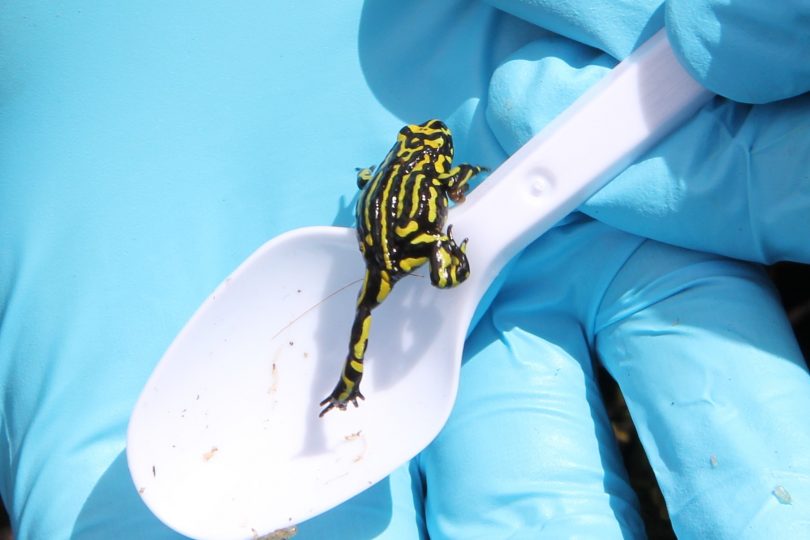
(432, 135)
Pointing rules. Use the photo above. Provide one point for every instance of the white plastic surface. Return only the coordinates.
(225, 440)
(582, 149)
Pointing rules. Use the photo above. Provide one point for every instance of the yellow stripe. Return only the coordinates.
(445, 263)
(434, 143)
(407, 229)
(440, 164)
(384, 218)
(403, 152)
(385, 287)
(432, 211)
(359, 348)
(349, 386)
(369, 190)
(417, 128)
(371, 187)
(445, 257)
(364, 175)
(423, 238)
(412, 262)
(417, 185)
(403, 187)
(357, 366)
(420, 165)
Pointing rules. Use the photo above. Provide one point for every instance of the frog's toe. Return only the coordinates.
(333, 401)
(462, 248)
(330, 403)
(458, 195)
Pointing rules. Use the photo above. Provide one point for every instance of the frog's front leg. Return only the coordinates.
(448, 262)
(364, 176)
(376, 286)
(456, 180)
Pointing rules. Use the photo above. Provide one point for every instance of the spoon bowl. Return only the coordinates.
(235, 405)
(225, 440)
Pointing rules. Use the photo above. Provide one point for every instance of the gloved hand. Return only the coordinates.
(735, 170)
(146, 150)
(698, 343)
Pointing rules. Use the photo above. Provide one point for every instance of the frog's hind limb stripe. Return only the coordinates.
(404, 231)
(377, 285)
(348, 386)
(448, 264)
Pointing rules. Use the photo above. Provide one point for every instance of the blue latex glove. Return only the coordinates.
(734, 179)
(698, 343)
(146, 150)
(745, 50)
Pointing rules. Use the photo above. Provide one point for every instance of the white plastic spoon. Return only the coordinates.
(225, 441)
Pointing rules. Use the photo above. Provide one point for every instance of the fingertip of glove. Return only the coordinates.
(750, 52)
(538, 82)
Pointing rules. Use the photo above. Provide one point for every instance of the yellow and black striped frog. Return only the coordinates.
(401, 213)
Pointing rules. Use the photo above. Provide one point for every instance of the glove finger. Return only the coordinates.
(538, 82)
(615, 27)
(528, 450)
(717, 388)
(735, 170)
(732, 181)
(744, 50)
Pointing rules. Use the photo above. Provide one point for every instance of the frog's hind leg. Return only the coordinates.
(448, 262)
(376, 286)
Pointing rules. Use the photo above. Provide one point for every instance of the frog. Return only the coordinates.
(401, 213)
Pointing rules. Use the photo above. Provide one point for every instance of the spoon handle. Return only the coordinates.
(634, 106)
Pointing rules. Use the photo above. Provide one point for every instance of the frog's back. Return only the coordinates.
(402, 201)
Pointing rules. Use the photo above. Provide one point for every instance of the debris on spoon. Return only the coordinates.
(782, 495)
(280, 534)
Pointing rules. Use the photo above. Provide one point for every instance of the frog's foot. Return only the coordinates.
(457, 180)
(459, 194)
(364, 176)
(340, 398)
(448, 262)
